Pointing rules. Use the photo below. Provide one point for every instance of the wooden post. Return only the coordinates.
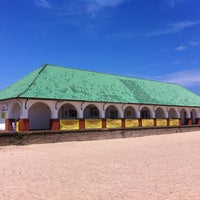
(8, 124)
(81, 123)
(189, 121)
(55, 124)
(123, 123)
(23, 124)
(103, 123)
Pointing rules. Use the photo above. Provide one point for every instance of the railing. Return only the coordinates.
(115, 123)
(75, 124)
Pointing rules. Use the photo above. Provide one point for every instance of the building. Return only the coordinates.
(53, 97)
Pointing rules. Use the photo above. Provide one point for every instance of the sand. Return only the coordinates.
(152, 167)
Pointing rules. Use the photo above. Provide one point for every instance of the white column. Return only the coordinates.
(137, 109)
(24, 110)
(178, 113)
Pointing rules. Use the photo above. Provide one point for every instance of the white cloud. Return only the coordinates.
(173, 28)
(173, 3)
(187, 78)
(180, 48)
(91, 8)
(179, 26)
(42, 3)
(176, 62)
(108, 3)
(169, 29)
(194, 43)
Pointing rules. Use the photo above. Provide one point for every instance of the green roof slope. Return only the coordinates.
(60, 83)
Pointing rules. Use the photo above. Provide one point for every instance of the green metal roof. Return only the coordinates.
(60, 83)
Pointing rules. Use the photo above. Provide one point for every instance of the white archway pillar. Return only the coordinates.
(24, 109)
(24, 114)
(102, 114)
(54, 114)
(167, 112)
(80, 109)
(178, 113)
(153, 112)
(103, 110)
(137, 111)
(121, 111)
(198, 113)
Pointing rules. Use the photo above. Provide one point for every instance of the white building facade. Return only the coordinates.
(40, 114)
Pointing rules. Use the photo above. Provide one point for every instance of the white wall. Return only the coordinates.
(41, 111)
(3, 114)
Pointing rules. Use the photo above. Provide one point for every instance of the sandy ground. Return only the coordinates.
(153, 167)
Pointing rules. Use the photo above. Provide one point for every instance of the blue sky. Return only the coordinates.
(151, 39)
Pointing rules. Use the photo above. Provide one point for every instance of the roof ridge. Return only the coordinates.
(42, 68)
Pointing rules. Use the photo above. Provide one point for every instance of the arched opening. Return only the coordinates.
(145, 113)
(183, 115)
(172, 114)
(193, 115)
(67, 111)
(15, 111)
(160, 114)
(39, 116)
(91, 112)
(129, 113)
(111, 112)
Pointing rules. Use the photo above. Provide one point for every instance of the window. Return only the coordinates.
(68, 112)
(72, 113)
(128, 113)
(113, 114)
(94, 112)
(144, 114)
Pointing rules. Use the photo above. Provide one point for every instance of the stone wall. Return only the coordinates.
(38, 137)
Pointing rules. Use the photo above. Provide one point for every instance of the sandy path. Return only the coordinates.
(153, 167)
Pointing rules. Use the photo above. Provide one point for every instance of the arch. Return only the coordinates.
(39, 115)
(194, 115)
(91, 112)
(15, 111)
(183, 116)
(172, 114)
(145, 113)
(111, 112)
(129, 112)
(67, 111)
(160, 113)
